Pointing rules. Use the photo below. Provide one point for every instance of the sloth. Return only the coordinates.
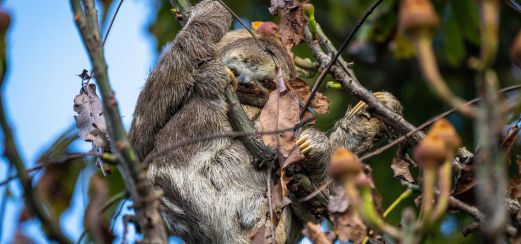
(212, 190)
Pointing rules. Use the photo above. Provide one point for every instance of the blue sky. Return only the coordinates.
(45, 54)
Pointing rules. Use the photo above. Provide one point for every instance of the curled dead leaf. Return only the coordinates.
(90, 121)
(401, 169)
(292, 23)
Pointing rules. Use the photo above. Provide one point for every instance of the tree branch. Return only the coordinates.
(145, 199)
(476, 214)
(36, 206)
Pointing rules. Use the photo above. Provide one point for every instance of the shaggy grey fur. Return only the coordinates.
(212, 191)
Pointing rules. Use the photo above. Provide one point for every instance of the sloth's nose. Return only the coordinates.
(245, 80)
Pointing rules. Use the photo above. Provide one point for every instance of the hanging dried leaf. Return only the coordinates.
(280, 112)
(292, 23)
(401, 169)
(91, 121)
(315, 234)
(278, 201)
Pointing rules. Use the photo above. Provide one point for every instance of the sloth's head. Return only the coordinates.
(254, 67)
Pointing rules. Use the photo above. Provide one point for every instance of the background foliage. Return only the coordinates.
(383, 60)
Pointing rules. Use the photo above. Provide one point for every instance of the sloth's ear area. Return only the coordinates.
(266, 29)
(256, 24)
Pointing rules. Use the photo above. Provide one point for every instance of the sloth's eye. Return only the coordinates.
(268, 84)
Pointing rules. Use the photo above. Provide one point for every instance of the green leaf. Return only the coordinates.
(453, 44)
(165, 27)
(56, 186)
(466, 14)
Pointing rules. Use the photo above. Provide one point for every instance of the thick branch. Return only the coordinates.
(145, 199)
(351, 83)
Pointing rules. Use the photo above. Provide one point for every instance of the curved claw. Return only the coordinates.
(360, 106)
(304, 144)
(233, 80)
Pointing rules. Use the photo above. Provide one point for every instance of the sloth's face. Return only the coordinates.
(255, 76)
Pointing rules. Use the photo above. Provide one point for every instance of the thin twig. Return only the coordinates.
(106, 36)
(232, 134)
(490, 168)
(402, 138)
(476, 214)
(241, 22)
(427, 123)
(118, 213)
(48, 163)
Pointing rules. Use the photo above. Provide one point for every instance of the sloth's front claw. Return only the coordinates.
(304, 144)
(360, 106)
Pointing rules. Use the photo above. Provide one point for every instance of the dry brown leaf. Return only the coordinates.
(338, 201)
(261, 235)
(315, 234)
(56, 186)
(319, 103)
(294, 157)
(466, 181)
(292, 23)
(515, 188)
(284, 109)
(96, 223)
(401, 169)
(349, 226)
(515, 192)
